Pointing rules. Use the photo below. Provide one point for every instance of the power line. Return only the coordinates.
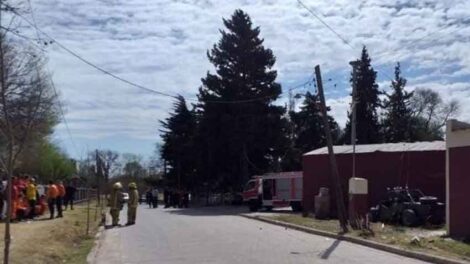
(334, 31)
(61, 110)
(34, 19)
(382, 54)
(325, 24)
(88, 62)
(130, 82)
(414, 43)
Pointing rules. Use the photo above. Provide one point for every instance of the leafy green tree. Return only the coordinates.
(134, 169)
(178, 145)
(367, 102)
(237, 140)
(398, 113)
(52, 163)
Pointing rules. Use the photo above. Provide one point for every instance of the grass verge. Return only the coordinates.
(60, 240)
(430, 241)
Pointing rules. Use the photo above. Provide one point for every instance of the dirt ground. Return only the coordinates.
(60, 240)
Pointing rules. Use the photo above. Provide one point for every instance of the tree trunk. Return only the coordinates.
(6, 253)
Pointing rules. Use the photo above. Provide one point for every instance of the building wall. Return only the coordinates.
(423, 170)
(458, 179)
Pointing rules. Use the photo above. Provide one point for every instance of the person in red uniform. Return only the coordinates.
(41, 205)
(60, 198)
(52, 193)
(14, 197)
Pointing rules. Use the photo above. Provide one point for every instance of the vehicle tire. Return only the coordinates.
(253, 205)
(409, 217)
(296, 206)
(385, 214)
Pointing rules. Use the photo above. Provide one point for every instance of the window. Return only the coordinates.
(250, 185)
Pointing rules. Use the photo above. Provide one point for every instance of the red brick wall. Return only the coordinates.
(423, 170)
(459, 182)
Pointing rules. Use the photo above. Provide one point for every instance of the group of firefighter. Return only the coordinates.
(27, 203)
(171, 197)
(116, 203)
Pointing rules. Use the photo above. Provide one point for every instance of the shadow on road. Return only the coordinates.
(326, 254)
(208, 211)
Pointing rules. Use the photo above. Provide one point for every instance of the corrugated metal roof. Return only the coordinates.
(388, 147)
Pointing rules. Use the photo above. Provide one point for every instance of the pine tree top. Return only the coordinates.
(243, 65)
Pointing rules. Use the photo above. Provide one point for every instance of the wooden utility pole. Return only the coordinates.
(341, 209)
(354, 64)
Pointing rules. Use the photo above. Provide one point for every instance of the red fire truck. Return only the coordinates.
(274, 190)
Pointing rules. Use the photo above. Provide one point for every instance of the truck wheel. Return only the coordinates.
(296, 206)
(385, 214)
(253, 205)
(409, 218)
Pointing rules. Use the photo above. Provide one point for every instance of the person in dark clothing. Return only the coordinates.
(149, 198)
(155, 197)
(175, 201)
(166, 198)
(185, 200)
(69, 196)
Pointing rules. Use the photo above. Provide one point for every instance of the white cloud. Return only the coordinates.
(163, 44)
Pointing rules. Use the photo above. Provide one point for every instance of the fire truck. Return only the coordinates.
(274, 190)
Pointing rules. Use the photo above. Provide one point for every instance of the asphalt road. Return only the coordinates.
(218, 235)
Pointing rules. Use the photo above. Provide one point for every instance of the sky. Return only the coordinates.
(162, 45)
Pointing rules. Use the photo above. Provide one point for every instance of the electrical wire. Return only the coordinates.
(334, 32)
(61, 108)
(130, 82)
(325, 24)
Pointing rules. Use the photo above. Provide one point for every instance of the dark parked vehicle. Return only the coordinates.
(409, 207)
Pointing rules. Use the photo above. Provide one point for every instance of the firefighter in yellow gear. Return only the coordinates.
(132, 204)
(115, 203)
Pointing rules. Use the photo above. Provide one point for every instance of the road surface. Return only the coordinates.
(218, 235)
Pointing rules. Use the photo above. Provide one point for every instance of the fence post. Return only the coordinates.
(88, 213)
(97, 204)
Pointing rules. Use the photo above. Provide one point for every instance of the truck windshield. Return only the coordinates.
(250, 185)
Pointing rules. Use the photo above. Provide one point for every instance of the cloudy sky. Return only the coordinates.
(162, 44)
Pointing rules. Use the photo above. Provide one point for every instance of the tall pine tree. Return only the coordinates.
(367, 102)
(398, 114)
(309, 129)
(238, 139)
(178, 145)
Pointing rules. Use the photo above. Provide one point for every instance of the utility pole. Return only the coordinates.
(341, 209)
(354, 64)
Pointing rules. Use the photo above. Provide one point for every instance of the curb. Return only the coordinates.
(94, 251)
(367, 243)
